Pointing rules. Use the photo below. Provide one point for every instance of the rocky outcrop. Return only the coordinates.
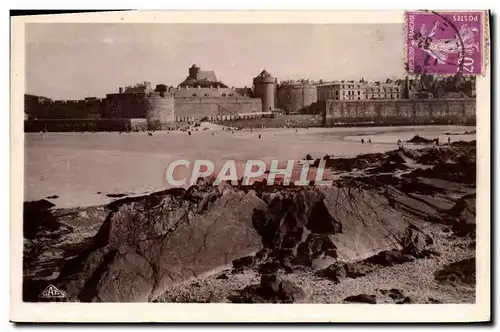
(360, 223)
(39, 221)
(272, 289)
(463, 272)
(362, 298)
(153, 241)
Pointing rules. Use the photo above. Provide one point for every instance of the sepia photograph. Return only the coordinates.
(281, 161)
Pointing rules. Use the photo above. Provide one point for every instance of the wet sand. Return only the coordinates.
(83, 168)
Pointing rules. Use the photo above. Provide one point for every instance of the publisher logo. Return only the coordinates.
(51, 292)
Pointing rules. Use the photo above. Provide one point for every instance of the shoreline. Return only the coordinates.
(375, 172)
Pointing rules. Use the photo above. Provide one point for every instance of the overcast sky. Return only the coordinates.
(73, 61)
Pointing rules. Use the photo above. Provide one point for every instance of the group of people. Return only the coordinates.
(363, 141)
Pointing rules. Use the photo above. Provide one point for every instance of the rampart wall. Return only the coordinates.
(296, 98)
(401, 112)
(193, 109)
(64, 109)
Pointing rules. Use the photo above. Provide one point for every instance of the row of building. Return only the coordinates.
(201, 95)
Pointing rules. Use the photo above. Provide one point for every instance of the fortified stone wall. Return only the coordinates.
(434, 111)
(192, 109)
(296, 98)
(160, 110)
(63, 109)
(279, 121)
(78, 125)
(125, 105)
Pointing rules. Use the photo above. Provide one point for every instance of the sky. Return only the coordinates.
(78, 60)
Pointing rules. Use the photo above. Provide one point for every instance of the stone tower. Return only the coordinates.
(194, 71)
(264, 88)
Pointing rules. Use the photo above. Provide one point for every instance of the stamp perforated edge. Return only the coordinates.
(485, 40)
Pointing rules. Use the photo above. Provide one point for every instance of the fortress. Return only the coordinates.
(199, 97)
(202, 97)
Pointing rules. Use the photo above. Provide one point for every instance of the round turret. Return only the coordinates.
(295, 97)
(264, 88)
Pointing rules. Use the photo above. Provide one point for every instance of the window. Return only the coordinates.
(206, 94)
(230, 95)
(195, 95)
(359, 93)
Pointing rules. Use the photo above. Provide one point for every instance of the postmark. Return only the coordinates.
(444, 42)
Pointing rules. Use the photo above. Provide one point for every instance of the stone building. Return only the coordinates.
(296, 97)
(380, 90)
(200, 96)
(344, 90)
(265, 89)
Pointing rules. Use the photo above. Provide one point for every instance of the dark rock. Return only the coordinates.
(269, 267)
(393, 293)
(420, 140)
(38, 218)
(331, 253)
(389, 258)
(333, 272)
(270, 285)
(289, 292)
(262, 255)
(213, 298)
(272, 289)
(464, 215)
(356, 270)
(249, 294)
(116, 195)
(463, 271)
(222, 276)
(166, 241)
(435, 301)
(428, 253)
(243, 262)
(415, 241)
(238, 271)
(406, 300)
(362, 298)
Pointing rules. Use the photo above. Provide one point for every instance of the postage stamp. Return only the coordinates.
(444, 42)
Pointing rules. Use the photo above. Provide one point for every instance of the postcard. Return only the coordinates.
(261, 166)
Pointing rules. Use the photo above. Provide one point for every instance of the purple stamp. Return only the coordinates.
(444, 42)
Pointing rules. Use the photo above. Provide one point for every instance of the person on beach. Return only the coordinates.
(362, 141)
(449, 140)
(369, 140)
